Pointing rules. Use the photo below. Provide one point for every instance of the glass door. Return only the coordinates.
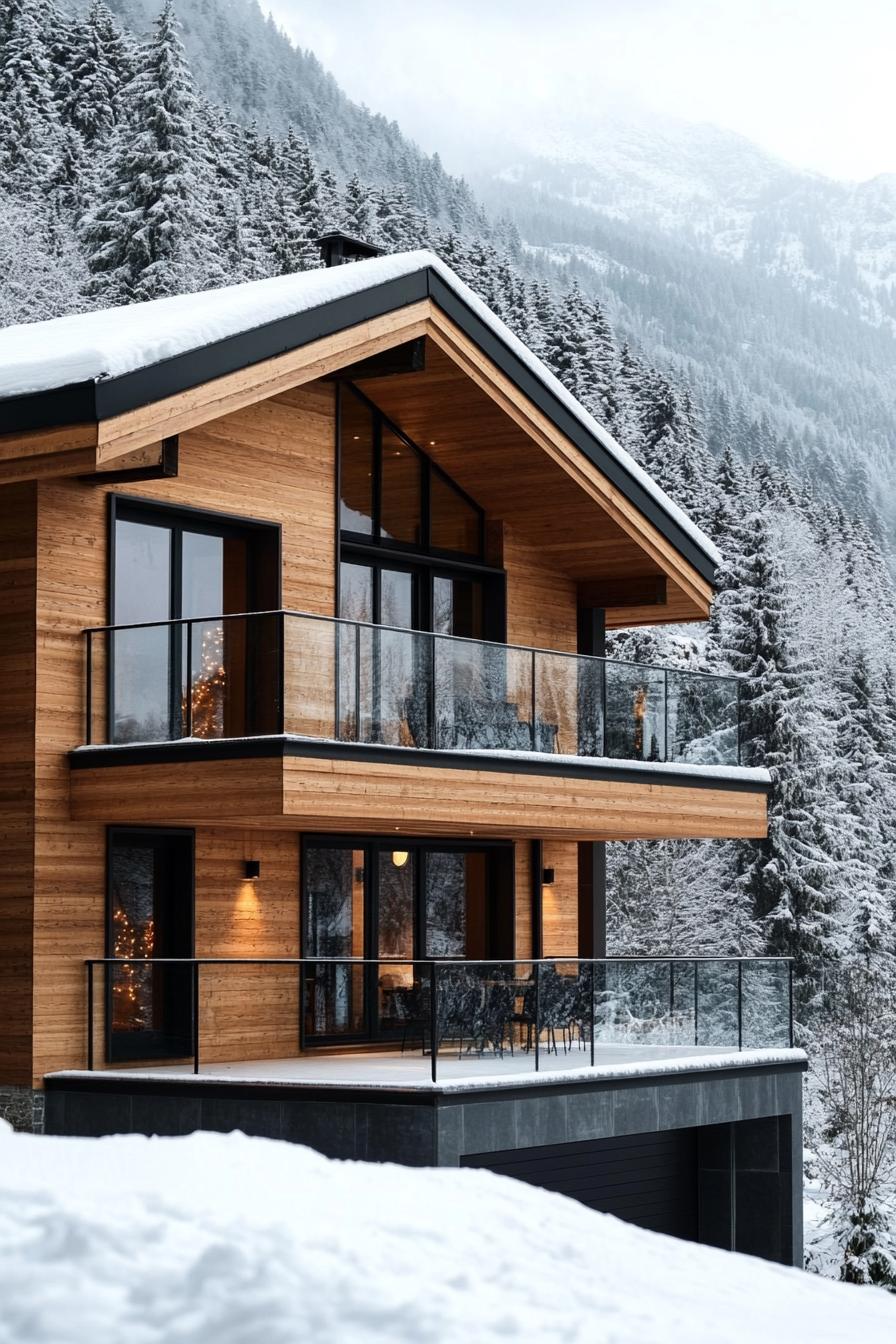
(334, 997)
(394, 904)
(150, 915)
(396, 937)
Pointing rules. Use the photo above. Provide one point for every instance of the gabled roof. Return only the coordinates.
(91, 366)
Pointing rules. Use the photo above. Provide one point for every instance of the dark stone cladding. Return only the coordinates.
(280, 746)
(97, 399)
(441, 1128)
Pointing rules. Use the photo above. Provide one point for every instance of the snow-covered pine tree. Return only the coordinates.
(146, 236)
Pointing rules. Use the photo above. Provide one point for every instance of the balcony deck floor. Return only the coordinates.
(411, 1070)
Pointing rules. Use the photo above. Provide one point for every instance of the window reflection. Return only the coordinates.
(455, 525)
(356, 468)
(401, 491)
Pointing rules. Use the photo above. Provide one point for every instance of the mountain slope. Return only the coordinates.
(774, 286)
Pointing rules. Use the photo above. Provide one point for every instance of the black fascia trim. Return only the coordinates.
(98, 400)
(431, 1097)
(531, 385)
(279, 747)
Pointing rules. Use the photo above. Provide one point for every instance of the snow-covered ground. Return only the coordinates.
(222, 1239)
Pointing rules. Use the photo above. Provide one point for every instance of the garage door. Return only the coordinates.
(647, 1179)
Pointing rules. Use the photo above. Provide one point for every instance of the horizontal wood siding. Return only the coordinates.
(272, 461)
(18, 550)
(338, 794)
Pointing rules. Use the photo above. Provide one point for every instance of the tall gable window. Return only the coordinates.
(412, 543)
(393, 495)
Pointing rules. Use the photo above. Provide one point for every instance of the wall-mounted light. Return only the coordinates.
(399, 857)
(547, 877)
(252, 869)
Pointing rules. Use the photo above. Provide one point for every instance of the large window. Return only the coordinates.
(391, 493)
(412, 543)
(216, 676)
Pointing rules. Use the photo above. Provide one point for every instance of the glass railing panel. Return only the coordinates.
(566, 995)
(716, 1004)
(766, 1004)
(146, 693)
(234, 676)
(703, 719)
(485, 1009)
(568, 704)
(314, 655)
(635, 712)
(149, 1012)
(635, 1003)
(483, 696)
(334, 1001)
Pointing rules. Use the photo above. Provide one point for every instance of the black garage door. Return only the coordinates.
(647, 1179)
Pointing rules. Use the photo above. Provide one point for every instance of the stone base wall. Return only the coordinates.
(23, 1108)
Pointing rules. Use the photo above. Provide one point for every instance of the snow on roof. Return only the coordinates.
(109, 342)
(227, 1238)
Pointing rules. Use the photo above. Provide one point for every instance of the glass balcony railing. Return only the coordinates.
(309, 676)
(518, 1014)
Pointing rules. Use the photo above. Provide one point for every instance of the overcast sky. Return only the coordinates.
(811, 80)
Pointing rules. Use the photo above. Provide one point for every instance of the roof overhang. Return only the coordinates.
(110, 414)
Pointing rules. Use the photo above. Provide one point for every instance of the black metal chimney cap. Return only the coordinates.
(337, 247)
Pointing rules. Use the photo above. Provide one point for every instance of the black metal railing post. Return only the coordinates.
(281, 677)
(532, 692)
(603, 706)
(357, 680)
(433, 1021)
(189, 681)
(90, 1015)
(88, 691)
(195, 1000)
(740, 1004)
(696, 1004)
(537, 972)
(790, 998)
(671, 1000)
(592, 1014)
(432, 714)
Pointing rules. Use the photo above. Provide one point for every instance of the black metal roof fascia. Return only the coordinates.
(98, 400)
(528, 382)
(93, 401)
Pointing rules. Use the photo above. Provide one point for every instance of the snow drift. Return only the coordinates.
(233, 1240)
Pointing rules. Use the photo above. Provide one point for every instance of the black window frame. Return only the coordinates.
(420, 559)
(373, 846)
(180, 518)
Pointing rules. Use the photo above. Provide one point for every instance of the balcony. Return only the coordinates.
(434, 1022)
(297, 675)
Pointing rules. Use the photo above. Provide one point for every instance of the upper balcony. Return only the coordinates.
(339, 701)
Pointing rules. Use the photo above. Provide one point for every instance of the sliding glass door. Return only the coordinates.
(395, 903)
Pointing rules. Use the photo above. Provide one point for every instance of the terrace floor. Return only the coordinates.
(411, 1070)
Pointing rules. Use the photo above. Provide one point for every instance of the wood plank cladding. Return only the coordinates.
(333, 794)
(18, 582)
(273, 462)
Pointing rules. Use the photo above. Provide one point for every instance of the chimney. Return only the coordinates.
(337, 248)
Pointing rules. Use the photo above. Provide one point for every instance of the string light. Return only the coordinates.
(208, 687)
(131, 985)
